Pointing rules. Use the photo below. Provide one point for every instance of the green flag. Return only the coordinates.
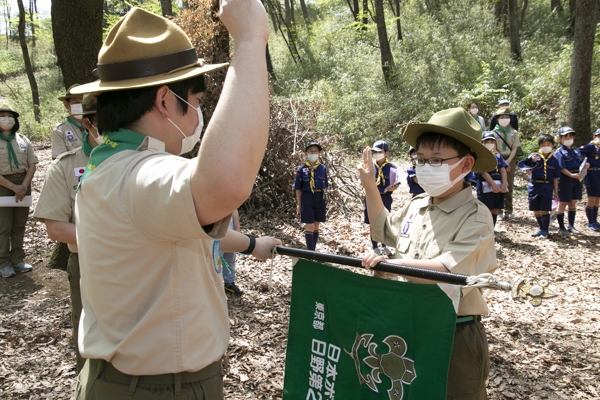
(353, 336)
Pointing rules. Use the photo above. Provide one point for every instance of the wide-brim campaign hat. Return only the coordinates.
(69, 94)
(143, 50)
(7, 107)
(460, 125)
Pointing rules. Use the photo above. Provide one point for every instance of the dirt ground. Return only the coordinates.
(548, 352)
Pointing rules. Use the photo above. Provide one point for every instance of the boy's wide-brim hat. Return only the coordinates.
(143, 50)
(7, 107)
(460, 125)
(69, 94)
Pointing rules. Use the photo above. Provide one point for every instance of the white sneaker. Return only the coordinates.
(22, 267)
(7, 272)
(377, 251)
(386, 251)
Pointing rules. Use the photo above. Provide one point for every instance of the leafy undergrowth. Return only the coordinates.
(548, 352)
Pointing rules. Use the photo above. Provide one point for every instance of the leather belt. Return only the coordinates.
(468, 320)
(539, 181)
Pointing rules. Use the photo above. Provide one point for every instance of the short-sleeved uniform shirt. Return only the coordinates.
(459, 233)
(413, 187)
(569, 188)
(312, 205)
(512, 141)
(151, 277)
(386, 197)
(57, 199)
(592, 178)
(66, 136)
(25, 155)
(493, 201)
(303, 175)
(541, 185)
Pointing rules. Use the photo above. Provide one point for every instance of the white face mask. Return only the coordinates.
(503, 122)
(436, 180)
(568, 142)
(474, 111)
(378, 156)
(313, 157)
(546, 149)
(7, 123)
(490, 146)
(76, 110)
(188, 142)
(99, 139)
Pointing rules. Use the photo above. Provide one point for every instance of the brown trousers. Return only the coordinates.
(12, 227)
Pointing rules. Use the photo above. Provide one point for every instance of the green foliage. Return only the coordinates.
(115, 9)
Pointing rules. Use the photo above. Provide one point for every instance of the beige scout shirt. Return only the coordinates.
(458, 232)
(57, 200)
(153, 298)
(24, 151)
(512, 139)
(65, 137)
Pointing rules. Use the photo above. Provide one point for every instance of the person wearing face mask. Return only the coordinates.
(473, 109)
(514, 120)
(570, 188)
(385, 172)
(68, 134)
(151, 225)
(592, 180)
(17, 167)
(543, 170)
(309, 185)
(56, 207)
(411, 175)
(445, 229)
(507, 145)
(492, 185)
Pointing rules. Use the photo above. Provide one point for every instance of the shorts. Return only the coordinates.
(569, 189)
(540, 196)
(592, 183)
(312, 207)
(493, 201)
(387, 203)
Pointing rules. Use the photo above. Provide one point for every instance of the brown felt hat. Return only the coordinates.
(142, 50)
(460, 125)
(69, 94)
(8, 107)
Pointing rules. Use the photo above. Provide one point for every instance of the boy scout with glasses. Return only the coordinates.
(68, 134)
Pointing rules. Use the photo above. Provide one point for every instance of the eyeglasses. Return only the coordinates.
(434, 162)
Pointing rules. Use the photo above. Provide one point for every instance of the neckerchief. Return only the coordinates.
(86, 146)
(12, 156)
(504, 131)
(545, 159)
(312, 174)
(114, 142)
(380, 176)
(75, 123)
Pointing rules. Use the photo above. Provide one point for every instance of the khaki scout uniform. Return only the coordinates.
(65, 137)
(512, 139)
(57, 202)
(459, 233)
(14, 219)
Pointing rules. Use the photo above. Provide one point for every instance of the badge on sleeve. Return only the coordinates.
(79, 171)
(217, 261)
(69, 136)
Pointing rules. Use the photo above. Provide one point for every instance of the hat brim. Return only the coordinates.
(147, 81)
(486, 161)
(70, 96)
(521, 165)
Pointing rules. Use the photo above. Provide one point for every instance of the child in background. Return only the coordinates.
(385, 172)
(492, 185)
(229, 258)
(544, 171)
(411, 175)
(311, 182)
(592, 180)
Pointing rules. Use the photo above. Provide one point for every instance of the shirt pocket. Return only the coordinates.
(403, 245)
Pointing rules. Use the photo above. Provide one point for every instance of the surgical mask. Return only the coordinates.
(99, 139)
(188, 142)
(474, 111)
(378, 156)
(7, 123)
(313, 157)
(76, 110)
(503, 122)
(568, 142)
(490, 146)
(436, 180)
(546, 149)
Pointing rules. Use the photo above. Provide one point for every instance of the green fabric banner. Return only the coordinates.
(353, 336)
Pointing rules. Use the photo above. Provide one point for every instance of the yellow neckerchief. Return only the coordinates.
(312, 174)
(545, 159)
(380, 176)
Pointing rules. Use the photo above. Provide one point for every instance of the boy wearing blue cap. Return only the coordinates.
(592, 180)
(569, 181)
(411, 175)
(544, 172)
(386, 180)
(311, 182)
(492, 185)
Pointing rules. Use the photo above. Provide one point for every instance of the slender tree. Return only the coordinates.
(7, 22)
(166, 7)
(501, 14)
(32, 13)
(515, 38)
(354, 8)
(304, 12)
(387, 59)
(586, 16)
(522, 17)
(28, 67)
(556, 5)
(395, 7)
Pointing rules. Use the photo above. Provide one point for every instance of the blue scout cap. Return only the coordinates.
(380, 145)
(411, 149)
(487, 135)
(309, 144)
(597, 133)
(565, 130)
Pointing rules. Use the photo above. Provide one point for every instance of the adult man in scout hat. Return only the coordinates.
(56, 205)
(68, 135)
(445, 229)
(154, 321)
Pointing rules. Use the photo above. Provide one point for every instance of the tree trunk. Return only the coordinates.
(365, 12)
(59, 257)
(304, 11)
(513, 22)
(354, 8)
(32, 11)
(28, 67)
(572, 11)
(556, 5)
(398, 25)
(581, 69)
(166, 7)
(270, 68)
(387, 59)
(77, 40)
(501, 14)
(522, 18)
